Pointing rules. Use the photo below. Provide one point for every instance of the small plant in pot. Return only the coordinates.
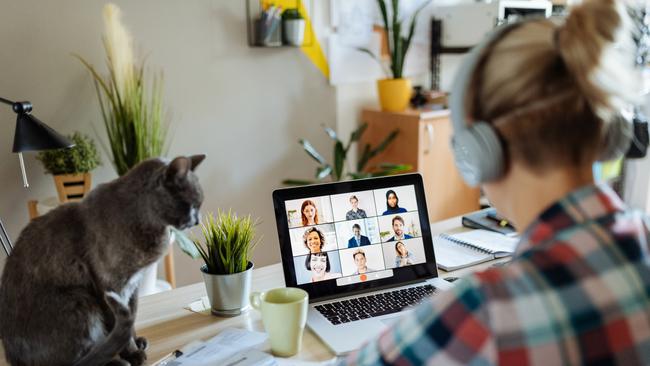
(293, 27)
(71, 167)
(395, 91)
(229, 241)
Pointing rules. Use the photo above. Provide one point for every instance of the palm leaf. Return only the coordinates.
(339, 160)
(311, 151)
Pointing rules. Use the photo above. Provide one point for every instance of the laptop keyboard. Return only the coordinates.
(374, 305)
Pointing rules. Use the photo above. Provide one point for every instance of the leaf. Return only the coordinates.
(185, 243)
(376, 58)
(323, 171)
(363, 159)
(384, 144)
(331, 133)
(407, 41)
(297, 182)
(312, 151)
(356, 134)
(339, 160)
(360, 175)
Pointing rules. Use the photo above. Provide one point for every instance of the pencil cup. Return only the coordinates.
(284, 314)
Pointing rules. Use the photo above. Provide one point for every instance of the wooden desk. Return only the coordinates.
(163, 320)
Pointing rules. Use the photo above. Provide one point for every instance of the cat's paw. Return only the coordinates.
(118, 362)
(142, 343)
(135, 358)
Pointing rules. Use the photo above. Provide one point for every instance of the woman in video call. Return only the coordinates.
(403, 257)
(392, 203)
(577, 290)
(319, 265)
(314, 240)
(309, 213)
(355, 212)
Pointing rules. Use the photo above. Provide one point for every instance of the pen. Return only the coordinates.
(170, 357)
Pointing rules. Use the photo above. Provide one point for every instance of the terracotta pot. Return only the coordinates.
(72, 187)
(394, 94)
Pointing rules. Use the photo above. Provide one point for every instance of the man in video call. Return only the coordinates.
(398, 228)
(360, 261)
(357, 240)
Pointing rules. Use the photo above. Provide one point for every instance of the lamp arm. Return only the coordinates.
(18, 107)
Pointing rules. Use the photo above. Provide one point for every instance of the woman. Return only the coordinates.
(309, 213)
(403, 257)
(392, 203)
(314, 240)
(319, 265)
(533, 107)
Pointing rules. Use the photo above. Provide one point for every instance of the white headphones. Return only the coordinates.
(477, 149)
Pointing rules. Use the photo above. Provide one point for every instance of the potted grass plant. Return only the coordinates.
(395, 90)
(131, 108)
(71, 167)
(228, 243)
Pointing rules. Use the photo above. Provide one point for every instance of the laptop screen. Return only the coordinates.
(353, 236)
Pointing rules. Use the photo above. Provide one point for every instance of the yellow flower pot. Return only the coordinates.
(394, 94)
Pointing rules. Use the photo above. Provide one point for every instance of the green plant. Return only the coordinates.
(291, 14)
(397, 44)
(133, 117)
(229, 242)
(336, 171)
(81, 158)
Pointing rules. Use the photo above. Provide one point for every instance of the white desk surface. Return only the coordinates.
(168, 326)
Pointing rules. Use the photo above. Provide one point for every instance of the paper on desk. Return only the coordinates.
(225, 346)
(292, 362)
(199, 306)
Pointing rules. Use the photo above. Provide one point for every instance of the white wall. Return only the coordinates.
(244, 107)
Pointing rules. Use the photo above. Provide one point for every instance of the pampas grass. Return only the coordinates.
(133, 115)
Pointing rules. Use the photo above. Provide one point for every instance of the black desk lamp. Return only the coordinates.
(31, 135)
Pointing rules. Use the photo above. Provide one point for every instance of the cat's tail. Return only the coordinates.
(103, 352)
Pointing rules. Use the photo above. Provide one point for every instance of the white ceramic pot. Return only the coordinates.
(294, 31)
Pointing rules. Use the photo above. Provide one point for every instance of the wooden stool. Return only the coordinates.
(170, 274)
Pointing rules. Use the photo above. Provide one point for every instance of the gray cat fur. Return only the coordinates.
(65, 264)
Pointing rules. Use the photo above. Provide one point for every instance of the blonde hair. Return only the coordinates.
(552, 90)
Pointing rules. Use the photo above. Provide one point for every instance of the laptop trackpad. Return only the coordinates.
(389, 321)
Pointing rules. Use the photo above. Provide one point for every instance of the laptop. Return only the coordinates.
(363, 251)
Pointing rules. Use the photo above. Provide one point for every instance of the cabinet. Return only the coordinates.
(423, 142)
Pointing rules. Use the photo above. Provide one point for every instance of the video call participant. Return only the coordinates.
(357, 240)
(314, 240)
(576, 290)
(355, 212)
(398, 229)
(392, 204)
(319, 265)
(309, 213)
(403, 257)
(360, 261)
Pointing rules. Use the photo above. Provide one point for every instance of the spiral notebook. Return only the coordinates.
(455, 251)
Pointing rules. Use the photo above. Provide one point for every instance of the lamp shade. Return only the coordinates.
(34, 135)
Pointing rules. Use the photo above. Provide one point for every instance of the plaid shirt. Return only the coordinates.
(576, 292)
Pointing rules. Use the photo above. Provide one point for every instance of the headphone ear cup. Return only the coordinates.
(618, 138)
(478, 153)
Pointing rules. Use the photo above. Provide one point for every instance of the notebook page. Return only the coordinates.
(490, 241)
(451, 256)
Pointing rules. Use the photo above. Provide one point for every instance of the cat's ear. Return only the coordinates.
(177, 170)
(196, 160)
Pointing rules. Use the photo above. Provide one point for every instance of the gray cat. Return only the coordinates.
(69, 289)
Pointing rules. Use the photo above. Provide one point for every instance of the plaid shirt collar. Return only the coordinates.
(578, 207)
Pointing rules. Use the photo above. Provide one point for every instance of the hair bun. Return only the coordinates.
(596, 42)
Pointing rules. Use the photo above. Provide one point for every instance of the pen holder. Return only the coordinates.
(267, 33)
